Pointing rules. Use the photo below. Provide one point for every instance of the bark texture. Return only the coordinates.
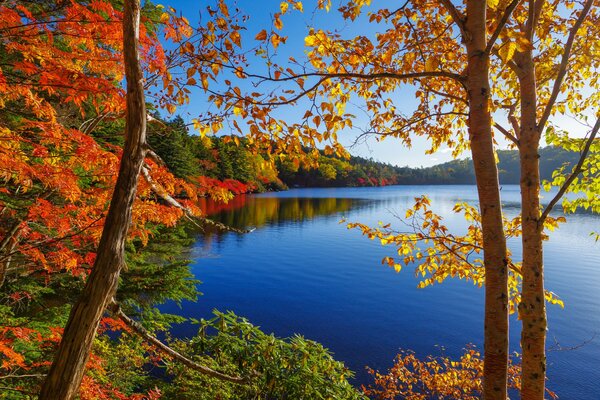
(486, 173)
(66, 373)
(532, 308)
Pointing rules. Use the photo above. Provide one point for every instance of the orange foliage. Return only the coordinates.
(60, 81)
(434, 378)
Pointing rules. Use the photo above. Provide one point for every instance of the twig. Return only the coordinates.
(573, 175)
(507, 13)
(558, 347)
(562, 70)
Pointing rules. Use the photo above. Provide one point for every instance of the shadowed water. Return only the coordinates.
(301, 271)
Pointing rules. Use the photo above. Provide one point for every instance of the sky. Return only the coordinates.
(296, 26)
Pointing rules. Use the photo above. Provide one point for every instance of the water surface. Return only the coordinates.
(301, 271)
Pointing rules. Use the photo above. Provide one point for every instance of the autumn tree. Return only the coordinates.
(67, 370)
(474, 67)
(61, 78)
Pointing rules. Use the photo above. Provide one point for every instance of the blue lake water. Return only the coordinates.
(301, 271)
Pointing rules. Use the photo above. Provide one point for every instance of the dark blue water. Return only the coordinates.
(303, 272)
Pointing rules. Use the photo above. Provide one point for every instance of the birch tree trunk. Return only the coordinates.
(488, 189)
(66, 373)
(532, 308)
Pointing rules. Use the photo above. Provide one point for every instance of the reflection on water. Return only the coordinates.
(303, 272)
(251, 211)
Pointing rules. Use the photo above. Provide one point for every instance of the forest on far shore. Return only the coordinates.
(217, 162)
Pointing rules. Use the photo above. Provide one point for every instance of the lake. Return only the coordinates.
(301, 271)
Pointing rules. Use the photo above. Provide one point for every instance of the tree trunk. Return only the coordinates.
(67, 370)
(532, 309)
(488, 188)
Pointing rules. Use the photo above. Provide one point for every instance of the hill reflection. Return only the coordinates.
(247, 211)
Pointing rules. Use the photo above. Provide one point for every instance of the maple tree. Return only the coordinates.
(60, 78)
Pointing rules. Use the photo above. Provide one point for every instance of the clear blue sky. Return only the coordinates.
(295, 28)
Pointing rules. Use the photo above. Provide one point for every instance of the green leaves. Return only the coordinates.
(292, 368)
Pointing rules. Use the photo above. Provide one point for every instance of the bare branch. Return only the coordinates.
(507, 133)
(535, 9)
(564, 63)
(557, 346)
(507, 13)
(457, 17)
(151, 154)
(571, 178)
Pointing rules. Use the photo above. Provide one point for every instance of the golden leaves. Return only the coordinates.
(262, 35)
(436, 254)
(277, 39)
(283, 6)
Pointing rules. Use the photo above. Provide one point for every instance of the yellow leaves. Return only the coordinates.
(386, 57)
(238, 110)
(523, 44)
(324, 4)
(276, 39)
(236, 38)
(202, 128)
(277, 22)
(262, 35)
(354, 59)
(514, 42)
(493, 4)
(552, 223)
(190, 72)
(215, 126)
(409, 59)
(507, 51)
(310, 40)
(283, 7)
(315, 39)
(432, 64)
(552, 298)
(391, 263)
(171, 108)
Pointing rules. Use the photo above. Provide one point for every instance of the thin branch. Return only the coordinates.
(396, 11)
(571, 178)
(324, 77)
(506, 133)
(557, 346)
(22, 376)
(151, 154)
(535, 9)
(10, 234)
(140, 330)
(562, 71)
(51, 240)
(457, 17)
(162, 193)
(507, 13)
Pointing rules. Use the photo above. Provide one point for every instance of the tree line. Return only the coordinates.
(358, 171)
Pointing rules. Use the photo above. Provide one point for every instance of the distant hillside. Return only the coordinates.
(358, 171)
(461, 171)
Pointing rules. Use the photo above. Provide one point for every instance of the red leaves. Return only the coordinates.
(9, 357)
